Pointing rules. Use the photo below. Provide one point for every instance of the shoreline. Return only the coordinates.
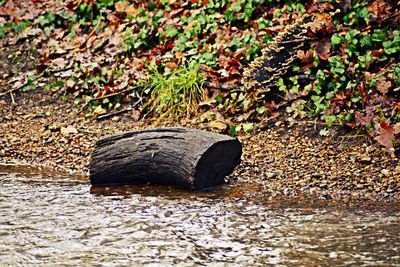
(288, 160)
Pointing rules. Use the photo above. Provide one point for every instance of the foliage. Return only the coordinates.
(346, 74)
(177, 93)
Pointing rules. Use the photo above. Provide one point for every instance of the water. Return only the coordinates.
(61, 221)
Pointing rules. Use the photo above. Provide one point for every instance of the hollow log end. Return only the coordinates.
(217, 163)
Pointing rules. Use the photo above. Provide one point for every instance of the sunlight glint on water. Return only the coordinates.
(48, 221)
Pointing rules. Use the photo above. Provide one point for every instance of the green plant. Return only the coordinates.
(13, 27)
(178, 94)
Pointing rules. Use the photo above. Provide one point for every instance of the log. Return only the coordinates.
(188, 158)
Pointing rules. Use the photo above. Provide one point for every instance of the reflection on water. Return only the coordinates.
(62, 221)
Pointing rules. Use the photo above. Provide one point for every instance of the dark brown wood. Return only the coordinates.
(189, 158)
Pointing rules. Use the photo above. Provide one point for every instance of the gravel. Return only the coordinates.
(41, 131)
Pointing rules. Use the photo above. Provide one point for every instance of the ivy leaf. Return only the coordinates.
(336, 40)
(171, 31)
(366, 41)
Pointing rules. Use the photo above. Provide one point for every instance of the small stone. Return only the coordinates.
(317, 175)
(385, 172)
(366, 159)
(359, 186)
(270, 175)
(333, 255)
(314, 190)
(323, 185)
(397, 169)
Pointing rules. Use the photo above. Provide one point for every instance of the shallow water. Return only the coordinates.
(52, 220)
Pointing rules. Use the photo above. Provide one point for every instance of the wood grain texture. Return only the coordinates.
(188, 158)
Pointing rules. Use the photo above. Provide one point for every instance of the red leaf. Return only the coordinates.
(386, 136)
(378, 53)
(323, 49)
(362, 119)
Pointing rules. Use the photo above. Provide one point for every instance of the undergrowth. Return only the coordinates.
(175, 94)
(351, 69)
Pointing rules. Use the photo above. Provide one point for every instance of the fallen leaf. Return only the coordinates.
(99, 111)
(362, 119)
(217, 125)
(68, 130)
(305, 57)
(396, 128)
(386, 136)
(321, 22)
(383, 85)
(345, 4)
(323, 49)
(135, 115)
(125, 7)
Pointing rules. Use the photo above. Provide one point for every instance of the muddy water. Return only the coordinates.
(49, 220)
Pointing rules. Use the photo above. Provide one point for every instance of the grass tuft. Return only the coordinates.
(177, 94)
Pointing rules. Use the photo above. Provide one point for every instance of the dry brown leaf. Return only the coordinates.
(68, 130)
(217, 125)
(396, 128)
(125, 7)
(322, 21)
(383, 85)
(323, 49)
(386, 136)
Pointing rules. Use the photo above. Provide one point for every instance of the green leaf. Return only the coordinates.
(260, 110)
(218, 98)
(229, 15)
(29, 86)
(171, 31)
(329, 119)
(263, 23)
(246, 103)
(324, 132)
(248, 127)
(232, 131)
(378, 35)
(366, 41)
(336, 40)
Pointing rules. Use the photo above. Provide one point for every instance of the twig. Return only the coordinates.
(306, 77)
(391, 16)
(106, 96)
(118, 112)
(91, 34)
(11, 91)
(18, 88)
(221, 86)
(317, 123)
(114, 94)
(12, 99)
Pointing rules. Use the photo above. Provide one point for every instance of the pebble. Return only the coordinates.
(366, 159)
(318, 166)
(270, 175)
(333, 255)
(385, 172)
(318, 175)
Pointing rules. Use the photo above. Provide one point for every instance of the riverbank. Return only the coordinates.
(286, 157)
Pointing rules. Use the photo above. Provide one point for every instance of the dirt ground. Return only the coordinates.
(289, 158)
(39, 128)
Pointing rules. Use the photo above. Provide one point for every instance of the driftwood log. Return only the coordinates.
(188, 158)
